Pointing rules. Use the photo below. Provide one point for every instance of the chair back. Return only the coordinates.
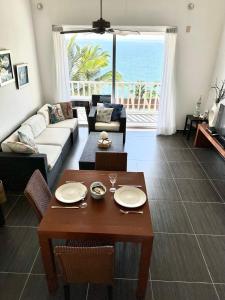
(38, 193)
(86, 264)
(111, 161)
(100, 99)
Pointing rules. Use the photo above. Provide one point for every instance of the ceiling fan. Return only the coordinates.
(101, 26)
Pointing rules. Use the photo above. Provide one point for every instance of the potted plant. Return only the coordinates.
(220, 95)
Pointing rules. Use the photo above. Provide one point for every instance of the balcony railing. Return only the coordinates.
(135, 96)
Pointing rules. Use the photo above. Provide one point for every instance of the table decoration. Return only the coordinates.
(98, 190)
(104, 141)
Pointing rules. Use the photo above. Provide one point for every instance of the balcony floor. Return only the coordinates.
(142, 119)
(135, 119)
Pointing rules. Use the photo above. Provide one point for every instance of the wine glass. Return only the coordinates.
(112, 179)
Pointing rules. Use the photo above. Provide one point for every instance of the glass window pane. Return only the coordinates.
(90, 64)
(139, 65)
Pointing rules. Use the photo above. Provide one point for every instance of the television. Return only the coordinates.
(220, 121)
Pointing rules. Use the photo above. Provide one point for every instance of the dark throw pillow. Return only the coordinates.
(117, 108)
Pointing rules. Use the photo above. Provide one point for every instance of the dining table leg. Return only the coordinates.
(49, 263)
(146, 251)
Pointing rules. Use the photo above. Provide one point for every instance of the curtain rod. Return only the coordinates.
(61, 28)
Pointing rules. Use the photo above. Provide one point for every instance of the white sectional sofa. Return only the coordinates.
(53, 142)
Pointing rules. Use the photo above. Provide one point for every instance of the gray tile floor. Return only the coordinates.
(186, 189)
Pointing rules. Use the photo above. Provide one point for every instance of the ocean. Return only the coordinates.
(137, 58)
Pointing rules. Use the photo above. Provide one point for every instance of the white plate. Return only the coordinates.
(130, 196)
(71, 192)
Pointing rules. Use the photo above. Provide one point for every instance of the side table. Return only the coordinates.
(192, 122)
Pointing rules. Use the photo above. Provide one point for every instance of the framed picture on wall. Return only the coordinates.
(22, 78)
(6, 68)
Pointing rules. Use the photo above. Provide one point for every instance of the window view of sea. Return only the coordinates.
(138, 58)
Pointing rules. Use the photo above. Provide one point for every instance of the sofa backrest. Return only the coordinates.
(44, 112)
(37, 124)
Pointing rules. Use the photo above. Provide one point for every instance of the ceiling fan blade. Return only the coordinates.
(125, 31)
(109, 30)
(80, 31)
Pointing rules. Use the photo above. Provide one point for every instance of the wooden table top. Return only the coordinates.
(101, 217)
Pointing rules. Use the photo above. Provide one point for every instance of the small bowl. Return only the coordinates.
(97, 190)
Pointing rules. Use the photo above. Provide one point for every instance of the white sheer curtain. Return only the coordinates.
(167, 104)
(62, 81)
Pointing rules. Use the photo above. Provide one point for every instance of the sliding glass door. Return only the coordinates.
(128, 67)
(139, 59)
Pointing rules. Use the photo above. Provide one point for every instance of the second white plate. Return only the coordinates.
(129, 196)
(71, 192)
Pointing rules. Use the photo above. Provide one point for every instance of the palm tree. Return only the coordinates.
(87, 62)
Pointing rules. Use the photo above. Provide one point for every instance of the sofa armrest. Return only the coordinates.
(93, 111)
(123, 123)
(16, 169)
(92, 118)
(123, 114)
(75, 115)
(123, 119)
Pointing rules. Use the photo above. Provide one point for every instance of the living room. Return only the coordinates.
(184, 184)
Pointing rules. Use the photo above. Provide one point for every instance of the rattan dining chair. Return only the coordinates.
(111, 161)
(86, 265)
(38, 193)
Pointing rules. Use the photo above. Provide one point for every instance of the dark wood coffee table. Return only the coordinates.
(101, 220)
(87, 159)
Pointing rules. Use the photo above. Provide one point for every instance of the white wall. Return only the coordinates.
(17, 35)
(196, 51)
(219, 70)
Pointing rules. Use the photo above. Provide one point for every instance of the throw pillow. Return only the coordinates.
(117, 108)
(100, 105)
(55, 114)
(67, 110)
(19, 147)
(26, 129)
(25, 139)
(104, 115)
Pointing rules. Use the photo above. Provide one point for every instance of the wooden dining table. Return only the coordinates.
(101, 220)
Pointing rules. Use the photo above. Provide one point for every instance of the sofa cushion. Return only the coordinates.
(19, 147)
(53, 136)
(52, 151)
(55, 114)
(44, 112)
(104, 115)
(70, 123)
(67, 109)
(112, 126)
(37, 124)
